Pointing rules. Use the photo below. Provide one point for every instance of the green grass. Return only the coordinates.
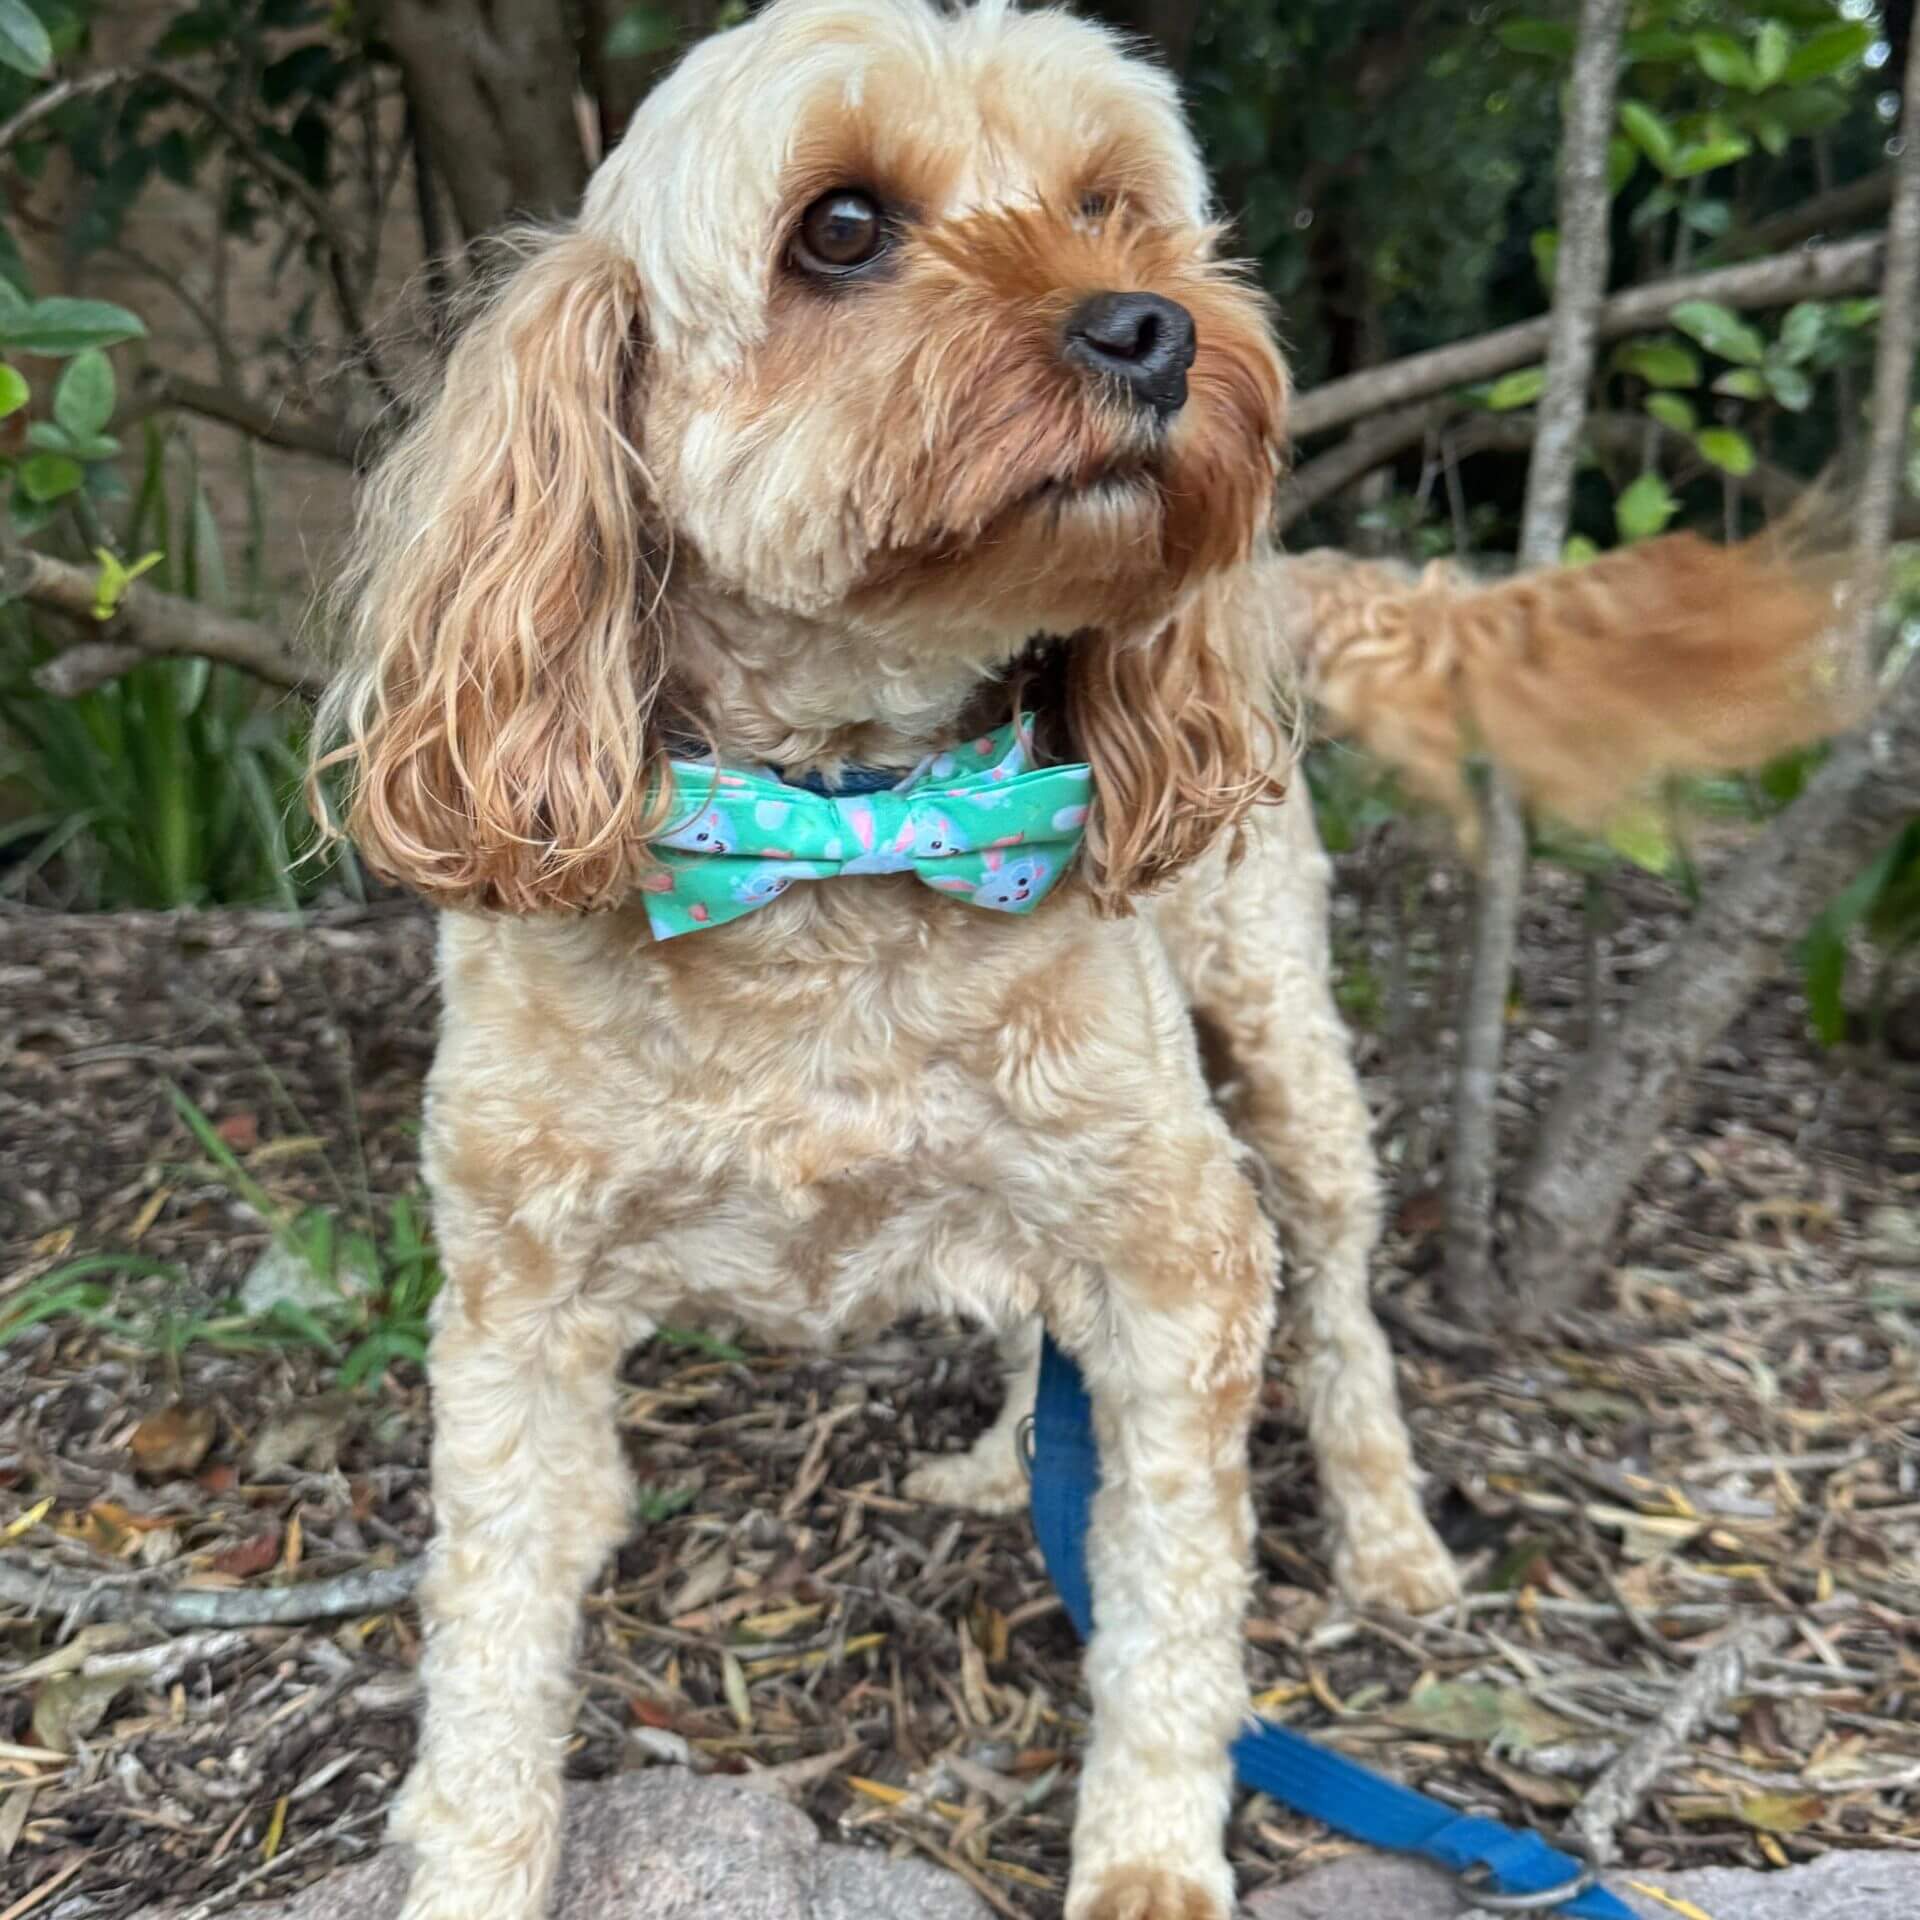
(374, 1265)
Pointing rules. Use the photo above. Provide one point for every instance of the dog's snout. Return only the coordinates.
(1140, 341)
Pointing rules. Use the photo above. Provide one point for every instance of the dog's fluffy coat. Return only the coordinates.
(671, 488)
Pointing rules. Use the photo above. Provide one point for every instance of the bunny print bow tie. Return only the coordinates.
(977, 822)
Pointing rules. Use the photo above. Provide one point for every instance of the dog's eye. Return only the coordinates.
(1095, 205)
(841, 231)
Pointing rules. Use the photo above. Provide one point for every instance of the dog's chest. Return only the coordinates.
(816, 1159)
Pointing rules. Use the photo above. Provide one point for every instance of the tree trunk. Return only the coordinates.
(1604, 1123)
(493, 82)
(1579, 288)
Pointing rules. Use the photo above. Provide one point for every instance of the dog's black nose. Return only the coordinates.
(1140, 341)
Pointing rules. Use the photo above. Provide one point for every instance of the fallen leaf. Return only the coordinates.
(148, 1214)
(734, 1681)
(1421, 1213)
(1779, 1812)
(310, 1435)
(276, 1827)
(1535, 1789)
(253, 1555)
(67, 1709)
(1503, 1718)
(1671, 1901)
(20, 1523)
(173, 1441)
(241, 1131)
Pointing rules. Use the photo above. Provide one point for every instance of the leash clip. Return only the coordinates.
(1476, 1880)
(1023, 1445)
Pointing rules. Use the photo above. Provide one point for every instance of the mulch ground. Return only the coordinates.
(1734, 1428)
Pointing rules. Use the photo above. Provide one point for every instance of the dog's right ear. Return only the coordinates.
(496, 723)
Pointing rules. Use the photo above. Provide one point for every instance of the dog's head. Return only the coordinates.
(890, 336)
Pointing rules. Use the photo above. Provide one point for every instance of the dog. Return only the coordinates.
(890, 394)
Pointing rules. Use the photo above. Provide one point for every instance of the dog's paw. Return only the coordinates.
(982, 1481)
(1403, 1566)
(1145, 1893)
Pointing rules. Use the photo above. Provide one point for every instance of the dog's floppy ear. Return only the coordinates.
(1180, 733)
(496, 722)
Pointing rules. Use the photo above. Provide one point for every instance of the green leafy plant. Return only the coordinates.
(1883, 903)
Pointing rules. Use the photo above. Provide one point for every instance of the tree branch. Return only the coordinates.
(1847, 266)
(327, 438)
(1602, 1127)
(1853, 205)
(1579, 287)
(1617, 434)
(75, 1599)
(313, 203)
(44, 104)
(151, 623)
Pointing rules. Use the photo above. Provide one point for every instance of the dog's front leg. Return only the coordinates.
(1173, 1358)
(530, 1493)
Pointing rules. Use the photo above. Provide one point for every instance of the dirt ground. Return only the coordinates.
(1734, 1427)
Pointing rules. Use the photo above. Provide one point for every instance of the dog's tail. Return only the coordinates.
(1584, 684)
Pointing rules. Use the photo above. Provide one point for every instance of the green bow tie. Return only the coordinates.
(976, 822)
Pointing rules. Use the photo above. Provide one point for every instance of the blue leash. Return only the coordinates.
(1503, 1869)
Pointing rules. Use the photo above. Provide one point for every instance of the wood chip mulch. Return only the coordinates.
(1734, 1429)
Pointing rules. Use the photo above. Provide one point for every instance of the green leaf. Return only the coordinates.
(1550, 39)
(1827, 49)
(1578, 551)
(1857, 313)
(83, 401)
(1519, 389)
(1772, 133)
(1731, 452)
(1656, 46)
(1720, 330)
(1645, 508)
(1801, 331)
(115, 578)
(14, 391)
(24, 45)
(641, 31)
(1649, 132)
(1743, 383)
(1789, 386)
(1704, 156)
(1546, 256)
(50, 476)
(1622, 157)
(1721, 57)
(1642, 837)
(1672, 411)
(60, 326)
(1771, 52)
(1823, 953)
(1661, 363)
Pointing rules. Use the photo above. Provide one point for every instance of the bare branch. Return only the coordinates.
(1848, 266)
(1853, 205)
(57, 1592)
(1369, 446)
(86, 665)
(1579, 286)
(1617, 435)
(327, 438)
(153, 623)
(1613, 1798)
(41, 106)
